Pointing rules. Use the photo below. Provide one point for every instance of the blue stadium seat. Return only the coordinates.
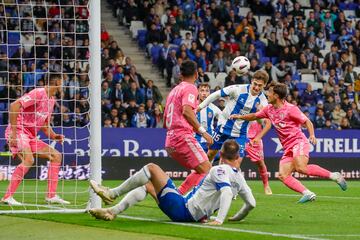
(274, 60)
(301, 86)
(333, 37)
(263, 60)
(155, 54)
(3, 106)
(141, 37)
(177, 41)
(343, 6)
(13, 37)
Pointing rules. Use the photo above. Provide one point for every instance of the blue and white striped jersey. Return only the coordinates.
(206, 118)
(240, 102)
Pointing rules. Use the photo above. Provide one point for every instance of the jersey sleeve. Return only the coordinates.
(263, 113)
(297, 115)
(29, 99)
(189, 96)
(216, 110)
(233, 90)
(220, 176)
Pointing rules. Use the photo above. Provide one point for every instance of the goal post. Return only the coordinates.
(62, 37)
(95, 100)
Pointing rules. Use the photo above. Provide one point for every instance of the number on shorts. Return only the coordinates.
(169, 115)
(216, 137)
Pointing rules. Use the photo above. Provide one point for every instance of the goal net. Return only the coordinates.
(39, 38)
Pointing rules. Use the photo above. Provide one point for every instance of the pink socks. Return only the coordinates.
(315, 170)
(264, 176)
(192, 180)
(294, 184)
(16, 179)
(53, 178)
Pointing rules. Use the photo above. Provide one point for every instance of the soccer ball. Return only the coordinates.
(240, 65)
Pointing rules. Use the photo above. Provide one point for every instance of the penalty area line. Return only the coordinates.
(294, 236)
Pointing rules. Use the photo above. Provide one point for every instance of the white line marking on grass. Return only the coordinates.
(332, 235)
(318, 196)
(295, 236)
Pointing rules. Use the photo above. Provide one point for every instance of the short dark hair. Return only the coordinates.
(261, 75)
(230, 150)
(204, 85)
(280, 89)
(188, 68)
(51, 78)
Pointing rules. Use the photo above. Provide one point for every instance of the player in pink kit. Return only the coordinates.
(287, 119)
(180, 121)
(255, 150)
(28, 115)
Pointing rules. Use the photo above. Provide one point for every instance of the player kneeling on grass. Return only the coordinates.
(214, 192)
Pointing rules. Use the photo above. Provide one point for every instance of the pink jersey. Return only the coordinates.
(254, 129)
(36, 109)
(183, 94)
(287, 121)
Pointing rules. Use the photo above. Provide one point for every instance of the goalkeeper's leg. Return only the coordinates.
(27, 160)
(45, 151)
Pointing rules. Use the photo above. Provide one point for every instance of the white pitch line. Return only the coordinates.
(319, 196)
(294, 236)
(332, 235)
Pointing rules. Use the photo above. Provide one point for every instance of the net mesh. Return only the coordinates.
(39, 38)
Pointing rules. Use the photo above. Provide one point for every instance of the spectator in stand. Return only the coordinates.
(120, 58)
(152, 92)
(308, 97)
(232, 79)
(134, 93)
(201, 41)
(187, 41)
(202, 77)
(124, 120)
(158, 118)
(346, 105)
(219, 64)
(243, 45)
(171, 62)
(329, 19)
(332, 57)
(176, 71)
(113, 49)
(104, 34)
(137, 77)
(345, 124)
(330, 125)
(125, 83)
(107, 123)
(105, 92)
(353, 120)
(254, 66)
(329, 106)
(350, 74)
(273, 71)
(319, 119)
(252, 53)
(153, 37)
(141, 119)
(245, 28)
(117, 93)
(282, 6)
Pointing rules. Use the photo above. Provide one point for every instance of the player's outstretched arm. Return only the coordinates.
(190, 117)
(225, 203)
(310, 128)
(249, 204)
(246, 117)
(14, 111)
(265, 129)
(211, 98)
(49, 132)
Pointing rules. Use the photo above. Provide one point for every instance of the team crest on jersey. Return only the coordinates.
(220, 171)
(282, 116)
(191, 98)
(210, 115)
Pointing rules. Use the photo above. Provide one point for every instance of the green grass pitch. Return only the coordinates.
(334, 215)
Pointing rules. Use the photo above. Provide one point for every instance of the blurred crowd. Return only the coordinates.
(288, 40)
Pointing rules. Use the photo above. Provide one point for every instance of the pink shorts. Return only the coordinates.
(299, 149)
(185, 150)
(255, 152)
(25, 140)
